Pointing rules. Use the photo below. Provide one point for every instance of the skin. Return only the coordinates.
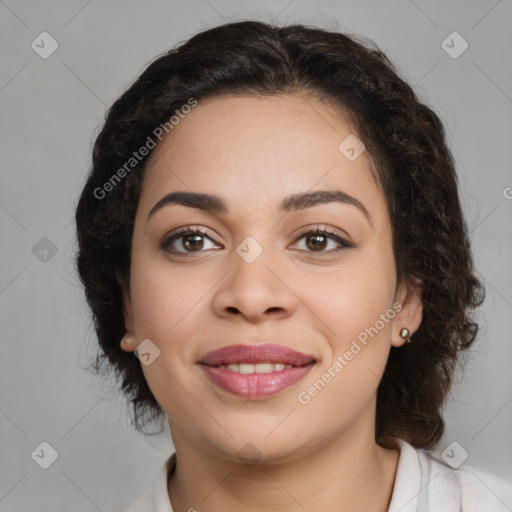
(254, 152)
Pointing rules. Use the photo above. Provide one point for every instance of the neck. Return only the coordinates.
(344, 474)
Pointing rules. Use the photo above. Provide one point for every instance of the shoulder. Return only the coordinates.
(474, 490)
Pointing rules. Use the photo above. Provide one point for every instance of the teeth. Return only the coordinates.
(246, 369)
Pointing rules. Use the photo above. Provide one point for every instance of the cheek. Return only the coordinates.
(355, 307)
(167, 306)
(169, 302)
(352, 298)
(160, 299)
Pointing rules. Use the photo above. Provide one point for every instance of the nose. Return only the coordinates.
(255, 291)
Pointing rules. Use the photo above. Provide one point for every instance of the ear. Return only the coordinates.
(128, 315)
(409, 296)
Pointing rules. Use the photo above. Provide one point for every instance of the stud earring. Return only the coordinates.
(406, 334)
(126, 340)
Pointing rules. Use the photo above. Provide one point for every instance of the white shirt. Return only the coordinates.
(423, 483)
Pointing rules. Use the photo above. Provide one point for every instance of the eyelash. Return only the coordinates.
(166, 243)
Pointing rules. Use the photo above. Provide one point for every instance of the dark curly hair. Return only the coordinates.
(412, 166)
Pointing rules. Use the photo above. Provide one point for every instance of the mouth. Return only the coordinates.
(255, 371)
(248, 368)
(256, 355)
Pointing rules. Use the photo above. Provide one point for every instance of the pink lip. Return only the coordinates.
(256, 385)
(252, 354)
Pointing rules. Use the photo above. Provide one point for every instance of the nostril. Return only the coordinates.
(232, 309)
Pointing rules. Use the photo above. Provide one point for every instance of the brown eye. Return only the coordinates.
(192, 242)
(321, 241)
(187, 241)
(316, 242)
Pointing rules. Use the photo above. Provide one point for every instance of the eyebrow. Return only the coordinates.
(301, 201)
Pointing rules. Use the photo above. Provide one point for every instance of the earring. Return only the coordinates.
(406, 334)
(126, 340)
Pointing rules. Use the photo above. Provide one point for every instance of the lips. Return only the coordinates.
(255, 371)
(254, 354)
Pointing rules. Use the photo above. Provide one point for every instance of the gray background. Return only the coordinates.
(50, 110)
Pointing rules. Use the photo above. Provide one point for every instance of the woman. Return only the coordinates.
(272, 226)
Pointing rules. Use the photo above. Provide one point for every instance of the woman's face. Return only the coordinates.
(252, 278)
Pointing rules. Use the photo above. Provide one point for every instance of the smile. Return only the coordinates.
(255, 372)
(246, 368)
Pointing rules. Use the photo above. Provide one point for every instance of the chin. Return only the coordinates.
(260, 442)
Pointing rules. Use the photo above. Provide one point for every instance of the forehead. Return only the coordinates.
(256, 150)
